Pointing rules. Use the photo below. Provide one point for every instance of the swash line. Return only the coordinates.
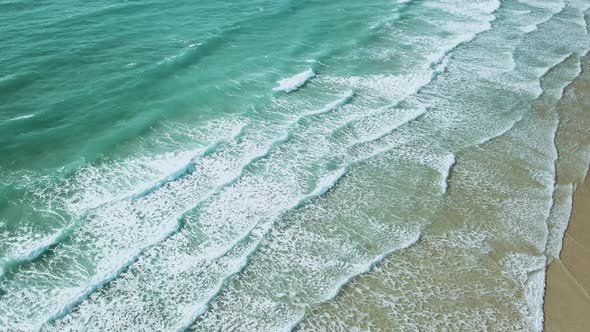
(556, 151)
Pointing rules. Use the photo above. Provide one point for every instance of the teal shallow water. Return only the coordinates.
(272, 165)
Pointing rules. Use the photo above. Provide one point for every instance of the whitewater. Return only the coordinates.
(287, 165)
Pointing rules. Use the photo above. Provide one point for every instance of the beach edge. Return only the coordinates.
(567, 301)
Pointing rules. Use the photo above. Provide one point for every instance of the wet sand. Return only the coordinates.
(567, 300)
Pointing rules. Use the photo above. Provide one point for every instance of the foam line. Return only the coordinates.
(503, 131)
(322, 187)
(97, 284)
(205, 304)
(514, 122)
(448, 163)
(343, 100)
(8, 263)
(554, 208)
(402, 5)
(545, 71)
(185, 170)
(587, 21)
(293, 83)
(362, 269)
(93, 286)
(534, 27)
(578, 73)
(194, 55)
(22, 117)
(358, 117)
(389, 130)
(359, 270)
(437, 67)
(63, 234)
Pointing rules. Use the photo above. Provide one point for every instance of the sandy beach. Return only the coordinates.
(567, 300)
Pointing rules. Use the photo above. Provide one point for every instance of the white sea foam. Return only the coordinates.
(8, 78)
(284, 247)
(165, 232)
(187, 167)
(395, 122)
(507, 127)
(389, 87)
(22, 117)
(295, 82)
(558, 219)
(366, 267)
(356, 271)
(327, 183)
(205, 254)
(96, 187)
(447, 164)
(169, 229)
(343, 100)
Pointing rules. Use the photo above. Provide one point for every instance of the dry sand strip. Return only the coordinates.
(567, 296)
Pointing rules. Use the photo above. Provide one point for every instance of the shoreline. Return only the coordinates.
(567, 290)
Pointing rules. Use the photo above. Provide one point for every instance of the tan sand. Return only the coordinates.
(567, 297)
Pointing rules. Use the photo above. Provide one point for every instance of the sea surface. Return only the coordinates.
(277, 165)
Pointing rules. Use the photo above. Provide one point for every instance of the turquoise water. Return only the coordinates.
(287, 165)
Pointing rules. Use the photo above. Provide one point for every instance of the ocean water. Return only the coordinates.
(275, 165)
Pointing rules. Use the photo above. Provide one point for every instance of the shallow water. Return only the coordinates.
(280, 165)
